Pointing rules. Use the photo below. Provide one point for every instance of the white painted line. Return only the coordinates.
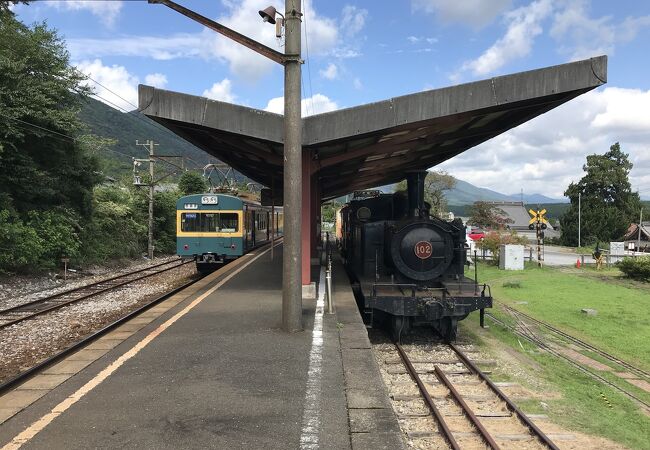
(309, 437)
(59, 409)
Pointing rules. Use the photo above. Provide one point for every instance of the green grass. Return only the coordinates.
(555, 295)
(579, 405)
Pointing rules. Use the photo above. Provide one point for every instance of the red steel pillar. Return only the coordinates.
(306, 232)
(315, 216)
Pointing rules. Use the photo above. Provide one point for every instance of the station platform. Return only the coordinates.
(211, 368)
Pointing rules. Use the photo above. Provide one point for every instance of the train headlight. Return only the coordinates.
(186, 246)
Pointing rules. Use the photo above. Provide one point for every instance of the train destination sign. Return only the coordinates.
(209, 200)
(423, 249)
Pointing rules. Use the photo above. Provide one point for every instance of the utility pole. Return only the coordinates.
(292, 258)
(150, 145)
(579, 201)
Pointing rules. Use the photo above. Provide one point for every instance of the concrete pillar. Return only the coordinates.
(306, 218)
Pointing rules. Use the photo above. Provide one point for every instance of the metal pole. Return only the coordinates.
(272, 216)
(328, 284)
(579, 205)
(638, 239)
(151, 189)
(292, 260)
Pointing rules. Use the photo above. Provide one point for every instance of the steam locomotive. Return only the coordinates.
(407, 266)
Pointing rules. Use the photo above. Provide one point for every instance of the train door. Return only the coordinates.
(253, 227)
(247, 228)
(268, 226)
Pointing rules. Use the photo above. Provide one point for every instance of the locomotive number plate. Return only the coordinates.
(423, 249)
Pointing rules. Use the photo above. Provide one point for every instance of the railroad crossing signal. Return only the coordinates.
(538, 223)
(538, 218)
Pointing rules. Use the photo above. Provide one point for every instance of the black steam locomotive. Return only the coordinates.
(408, 266)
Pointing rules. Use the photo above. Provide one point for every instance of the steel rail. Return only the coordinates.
(489, 440)
(27, 374)
(449, 437)
(578, 366)
(86, 286)
(94, 292)
(580, 342)
(511, 406)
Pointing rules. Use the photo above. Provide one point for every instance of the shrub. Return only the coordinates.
(58, 231)
(113, 231)
(494, 239)
(636, 268)
(20, 246)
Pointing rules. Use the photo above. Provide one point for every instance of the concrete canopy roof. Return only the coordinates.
(373, 144)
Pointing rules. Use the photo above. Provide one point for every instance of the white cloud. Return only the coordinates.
(106, 11)
(180, 45)
(349, 43)
(118, 87)
(221, 91)
(475, 13)
(158, 80)
(358, 85)
(322, 35)
(331, 72)
(581, 36)
(317, 104)
(353, 20)
(524, 24)
(547, 153)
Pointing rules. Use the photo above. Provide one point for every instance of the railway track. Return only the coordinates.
(20, 378)
(579, 342)
(29, 310)
(470, 411)
(523, 330)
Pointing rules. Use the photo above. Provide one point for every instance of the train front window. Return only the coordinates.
(210, 222)
(190, 222)
(228, 222)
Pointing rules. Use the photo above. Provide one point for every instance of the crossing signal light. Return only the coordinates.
(537, 217)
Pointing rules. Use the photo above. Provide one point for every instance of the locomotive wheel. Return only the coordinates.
(448, 328)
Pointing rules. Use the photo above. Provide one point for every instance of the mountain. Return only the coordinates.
(465, 193)
(126, 128)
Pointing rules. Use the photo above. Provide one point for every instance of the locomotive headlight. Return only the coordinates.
(186, 246)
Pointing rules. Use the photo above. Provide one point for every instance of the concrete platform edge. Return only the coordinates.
(373, 423)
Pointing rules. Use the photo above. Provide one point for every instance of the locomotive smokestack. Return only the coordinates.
(415, 186)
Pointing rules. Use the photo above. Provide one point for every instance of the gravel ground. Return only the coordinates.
(19, 289)
(25, 344)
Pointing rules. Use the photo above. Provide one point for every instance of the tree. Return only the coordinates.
(435, 185)
(608, 205)
(192, 183)
(488, 216)
(44, 165)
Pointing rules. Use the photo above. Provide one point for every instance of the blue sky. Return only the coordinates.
(363, 51)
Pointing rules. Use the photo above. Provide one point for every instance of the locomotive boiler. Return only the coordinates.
(407, 266)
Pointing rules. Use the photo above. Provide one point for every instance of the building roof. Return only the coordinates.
(633, 232)
(514, 211)
(372, 144)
